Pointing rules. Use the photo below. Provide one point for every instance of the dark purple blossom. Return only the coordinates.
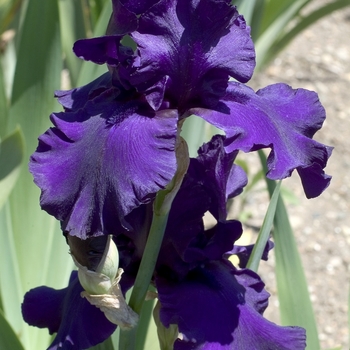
(280, 118)
(114, 145)
(244, 252)
(191, 274)
(214, 305)
(69, 315)
(219, 307)
(93, 165)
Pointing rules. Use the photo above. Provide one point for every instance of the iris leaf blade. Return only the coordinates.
(10, 279)
(39, 248)
(295, 304)
(3, 105)
(72, 28)
(271, 34)
(8, 338)
(11, 156)
(106, 345)
(264, 234)
(302, 24)
(90, 71)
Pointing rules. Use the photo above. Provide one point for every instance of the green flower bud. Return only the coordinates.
(100, 251)
(97, 260)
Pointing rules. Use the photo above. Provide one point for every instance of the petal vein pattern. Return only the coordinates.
(103, 159)
(280, 118)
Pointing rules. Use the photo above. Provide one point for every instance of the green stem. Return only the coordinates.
(160, 218)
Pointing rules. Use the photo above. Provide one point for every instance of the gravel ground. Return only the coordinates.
(319, 60)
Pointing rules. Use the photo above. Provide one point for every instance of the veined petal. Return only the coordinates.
(278, 117)
(78, 324)
(197, 44)
(101, 161)
(219, 308)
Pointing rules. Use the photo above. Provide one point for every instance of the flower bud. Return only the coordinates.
(97, 260)
(100, 251)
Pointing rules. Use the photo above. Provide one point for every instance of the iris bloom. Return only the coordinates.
(214, 305)
(114, 147)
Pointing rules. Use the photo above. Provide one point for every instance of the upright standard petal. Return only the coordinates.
(278, 117)
(103, 160)
(197, 44)
(78, 324)
(108, 49)
(124, 18)
(221, 178)
(217, 307)
(211, 178)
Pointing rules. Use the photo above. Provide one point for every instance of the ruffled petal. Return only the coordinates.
(76, 98)
(105, 49)
(281, 118)
(211, 179)
(209, 36)
(219, 308)
(221, 178)
(136, 6)
(124, 19)
(244, 252)
(102, 161)
(78, 324)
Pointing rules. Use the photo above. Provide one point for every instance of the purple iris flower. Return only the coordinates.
(69, 315)
(114, 145)
(215, 305)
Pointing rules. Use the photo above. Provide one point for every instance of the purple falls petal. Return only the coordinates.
(281, 118)
(101, 161)
(78, 324)
(209, 36)
(219, 308)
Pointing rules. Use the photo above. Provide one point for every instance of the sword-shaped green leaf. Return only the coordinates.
(264, 234)
(295, 305)
(72, 29)
(11, 156)
(39, 251)
(3, 105)
(8, 338)
(90, 71)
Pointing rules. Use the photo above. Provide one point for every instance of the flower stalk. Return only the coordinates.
(162, 206)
